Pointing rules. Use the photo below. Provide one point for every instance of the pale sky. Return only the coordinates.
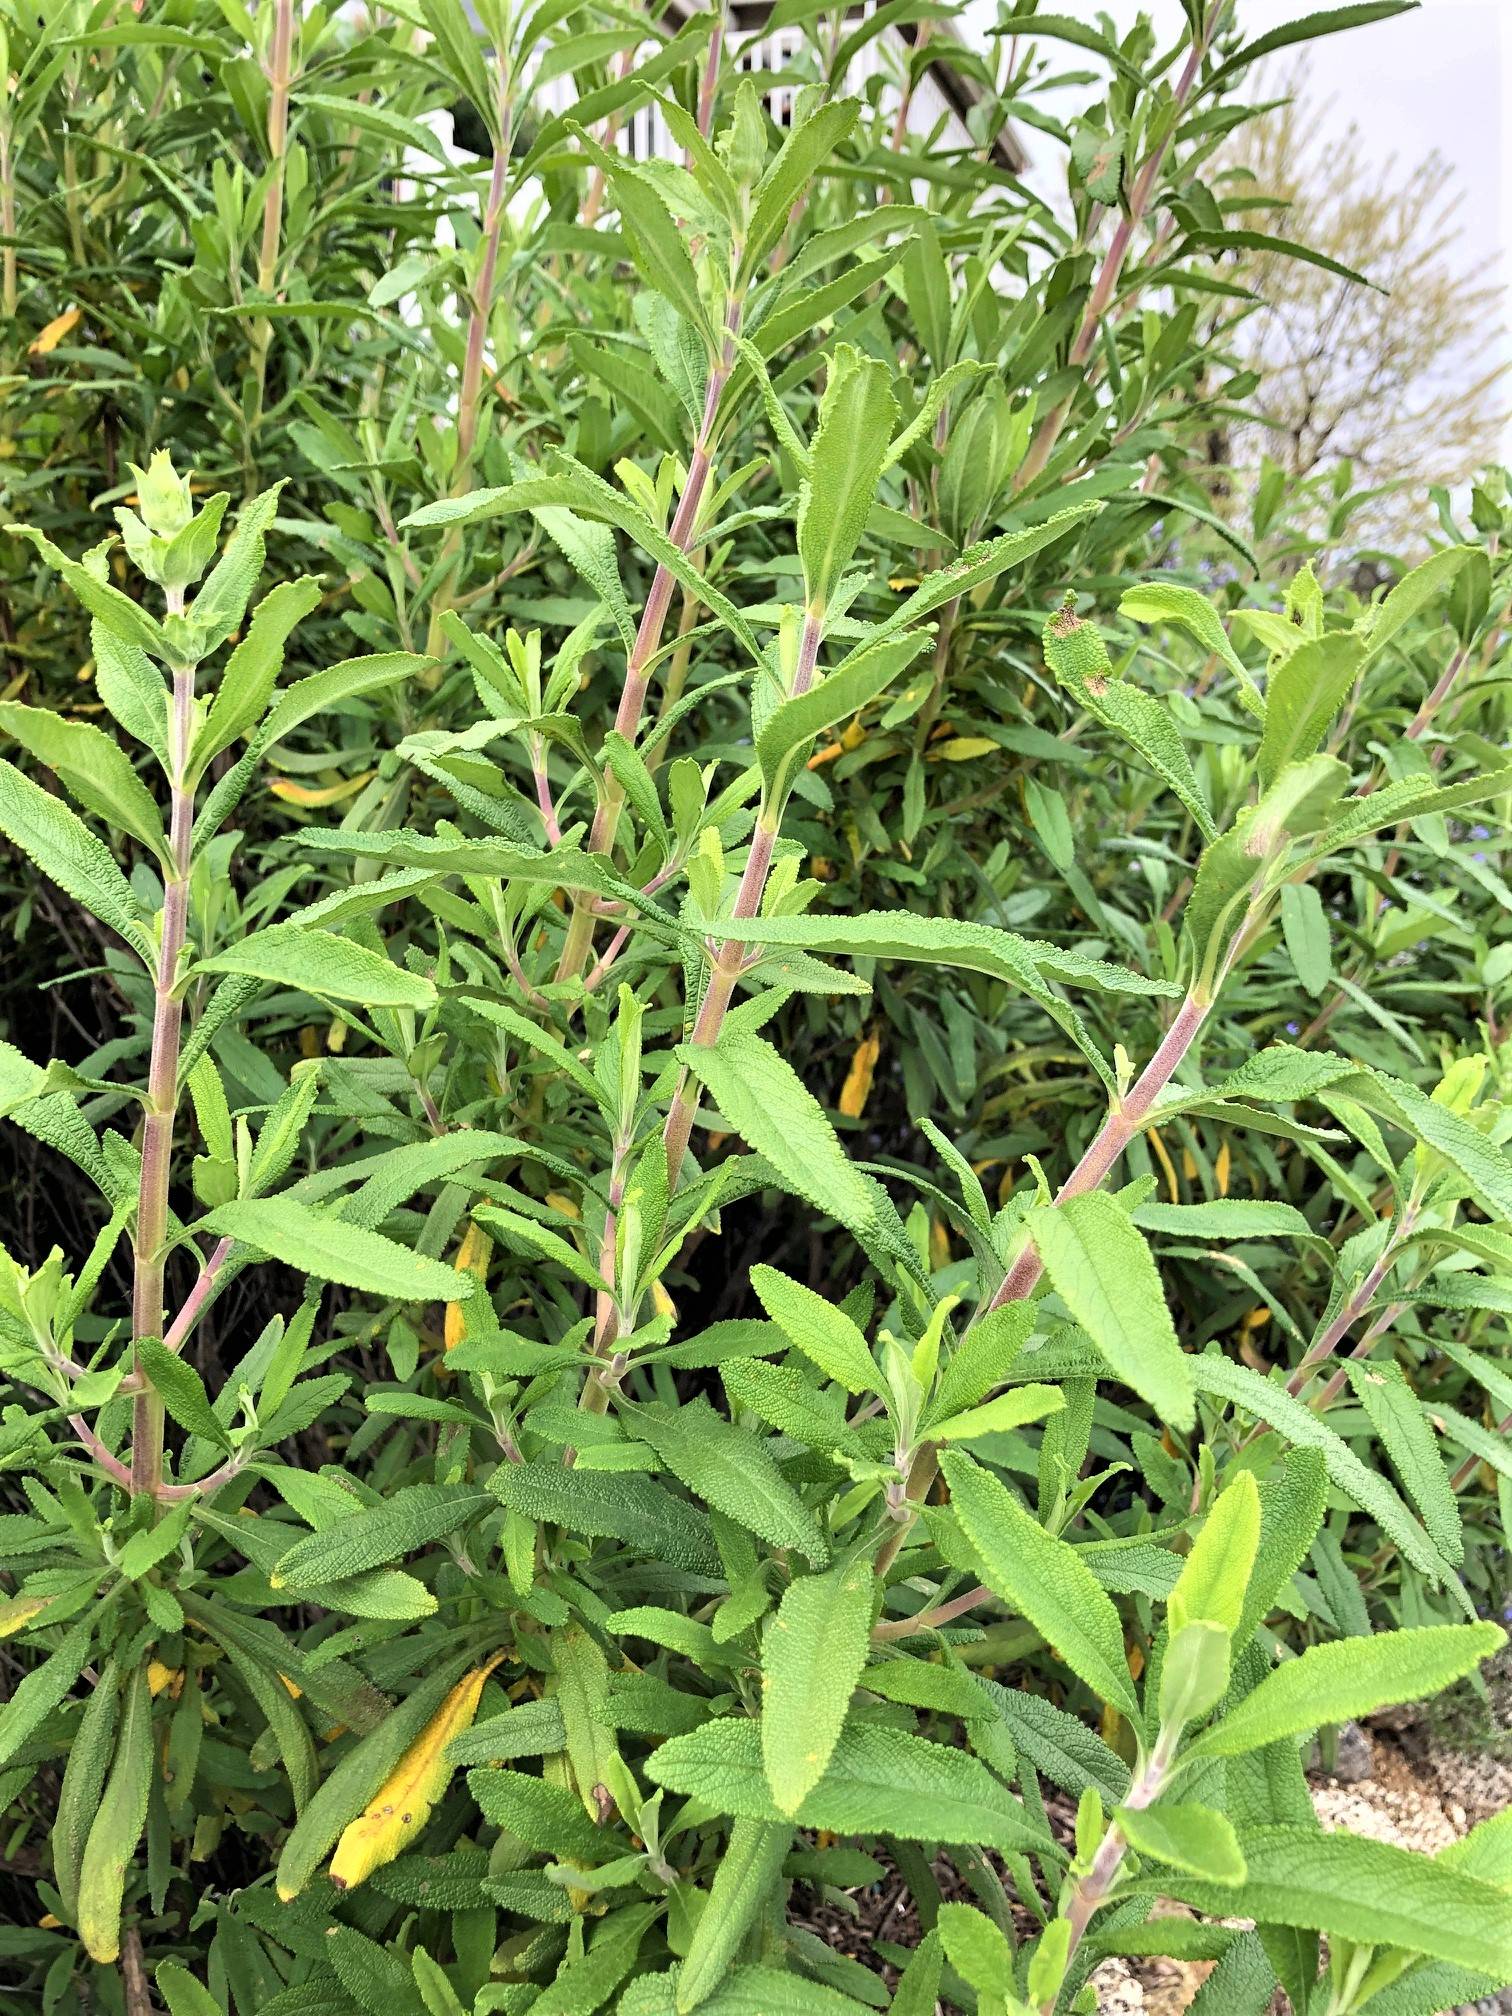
(1439, 78)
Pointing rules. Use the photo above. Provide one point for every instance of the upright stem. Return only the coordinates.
(9, 291)
(579, 939)
(1111, 271)
(150, 1237)
(1353, 1309)
(470, 393)
(1124, 1121)
(280, 77)
(1093, 1888)
(731, 956)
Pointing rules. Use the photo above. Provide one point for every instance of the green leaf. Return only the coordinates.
(1213, 1581)
(92, 765)
(818, 1328)
(1304, 925)
(322, 691)
(1268, 1400)
(183, 1994)
(1416, 591)
(1408, 798)
(879, 1781)
(247, 683)
(222, 601)
(812, 1655)
(945, 941)
(545, 1817)
(976, 1948)
(748, 1869)
(182, 1391)
(1168, 602)
(970, 569)
(1367, 1892)
(323, 963)
(320, 1244)
(748, 1991)
(619, 1507)
(371, 1536)
(1043, 1578)
(90, 1748)
(1302, 696)
(1230, 869)
(790, 728)
(807, 146)
(39, 1692)
(1401, 1421)
(997, 1417)
(117, 613)
(1193, 1838)
(857, 416)
(117, 1826)
(660, 250)
(1282, 248)
(1350, 1678)
(1076, 655)
(1485, 1168)
(731, 1471)
(1291, 1511)
(766, 1103)
(1103, 1271)
(69, 854)
(1308, 28)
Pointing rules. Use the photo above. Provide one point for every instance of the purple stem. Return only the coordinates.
(1124, 1121)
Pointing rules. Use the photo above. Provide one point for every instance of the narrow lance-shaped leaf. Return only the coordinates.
(1103, 1271)
(322, 1245)
(1043, 1578)
(856, 419)
(1351, 1677)
(812, 1656)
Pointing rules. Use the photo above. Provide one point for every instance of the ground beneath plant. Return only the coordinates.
(1400, 1783)
(1394, 1784)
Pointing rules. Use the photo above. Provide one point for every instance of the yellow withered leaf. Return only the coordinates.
(161, 1678)
(19, 1612)
(319, 794)
(856, 1090)
(1162, 1156)
(54, 333)
(402, 1804)
(473, 1256)
(1221, 1168)
(662, 1302)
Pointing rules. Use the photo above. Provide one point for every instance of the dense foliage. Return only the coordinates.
(768, 1057)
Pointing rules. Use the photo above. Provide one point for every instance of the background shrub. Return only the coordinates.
(757, 1051)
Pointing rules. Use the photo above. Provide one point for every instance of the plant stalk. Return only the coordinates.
(1124, 1121)
(578, 942)
(1106, 284)
(731, 955)
(151, 1231)
(280, 78)
(470, 393)
(1093, 1888)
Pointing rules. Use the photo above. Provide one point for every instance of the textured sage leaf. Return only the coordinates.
(879, 1781)
(1042, 1578)
(1102, 1270)
(329, 1249)
(1350, 1678)
(733, 1472)
(811, 1658)
(402, 1524)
